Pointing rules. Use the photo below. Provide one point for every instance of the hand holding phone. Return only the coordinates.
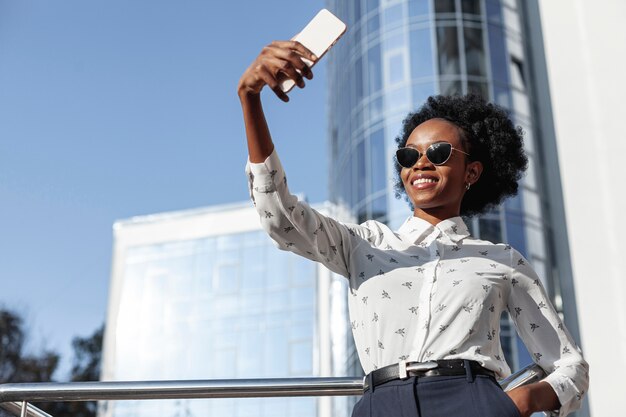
(283, 64)
(319, 35)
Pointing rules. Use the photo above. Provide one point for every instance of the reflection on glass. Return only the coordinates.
(502, 96)
(373, 67)
(393, 15)
(362, 215)
(474, 51)
(518, 78)
(391, 42)
(236, 328)
(360, 175)
(371, 5)
(302, 272)
(419, 7)
(373, 24)
(299, 358)
(470, 6)
(395, 65)
(301, 330)
(350, 174)
(345, 182)
(301, 407)
(379, 207)
(515, 233)
(480, 88)
(247, 407)
(357, 11)
(378, 164)
(497, 51)
(444, 6)
(450, 87)
(223, 364)
(301, 297)
(227, 277)
(490, 229)
(398, 99)
(358, 79)
(494, 11)
(421, 91)
(448, 50)
(376, 109)
(422, 64)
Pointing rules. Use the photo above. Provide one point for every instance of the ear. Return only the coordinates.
(473, 171)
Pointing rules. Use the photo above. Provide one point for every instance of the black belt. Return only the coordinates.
(403, 370)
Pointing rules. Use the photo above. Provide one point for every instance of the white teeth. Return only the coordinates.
(423, 181)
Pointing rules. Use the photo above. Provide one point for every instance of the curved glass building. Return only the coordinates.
(395, 54)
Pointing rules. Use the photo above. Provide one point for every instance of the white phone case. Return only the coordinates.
(319, 35)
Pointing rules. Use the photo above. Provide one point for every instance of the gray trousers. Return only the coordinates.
(440, 396)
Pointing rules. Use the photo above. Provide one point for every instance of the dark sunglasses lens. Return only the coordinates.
(438, 153)
(407, 157)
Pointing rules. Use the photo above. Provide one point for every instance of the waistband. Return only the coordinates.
(442, 367)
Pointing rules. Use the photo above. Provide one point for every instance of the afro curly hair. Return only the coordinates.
(489, 137)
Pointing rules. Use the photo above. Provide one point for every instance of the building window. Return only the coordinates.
(474, 51)
(419, 8)
(448, 50)
(378, 163)
(470, 7)
(422, 64)
(444, 6)
(395, 71)
(373, 69)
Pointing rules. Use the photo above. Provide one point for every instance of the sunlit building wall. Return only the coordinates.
(205, 294)
(581, 77)
(395, 54)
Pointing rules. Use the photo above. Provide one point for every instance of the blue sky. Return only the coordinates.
(111, 109)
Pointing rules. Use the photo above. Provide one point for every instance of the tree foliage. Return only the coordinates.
(18, 366)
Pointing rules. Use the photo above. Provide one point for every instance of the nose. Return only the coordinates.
(422, 162)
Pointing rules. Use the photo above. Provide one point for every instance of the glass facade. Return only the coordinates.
(395, 54)
(219, 306)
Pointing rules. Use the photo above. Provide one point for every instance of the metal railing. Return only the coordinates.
(15, 398)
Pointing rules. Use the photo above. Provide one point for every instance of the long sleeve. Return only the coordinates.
(547, 339)
(293, 224)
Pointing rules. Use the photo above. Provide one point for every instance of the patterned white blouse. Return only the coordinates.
(425, 292)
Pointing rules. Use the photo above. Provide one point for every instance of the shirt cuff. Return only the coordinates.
(564, 388)
(262, 175)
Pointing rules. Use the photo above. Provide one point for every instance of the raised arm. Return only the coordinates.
(276, 61)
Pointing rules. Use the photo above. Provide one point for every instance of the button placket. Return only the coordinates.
(425, 298)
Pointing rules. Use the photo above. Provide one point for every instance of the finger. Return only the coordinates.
(295, 59)
(272, 83)
(288, 69)
(294, 52)
(296, 46)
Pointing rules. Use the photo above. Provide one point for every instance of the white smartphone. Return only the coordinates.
(319, 35)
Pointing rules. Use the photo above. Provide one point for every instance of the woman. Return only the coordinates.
(425, 300)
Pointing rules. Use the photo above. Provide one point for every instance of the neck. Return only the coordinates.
(435, 215)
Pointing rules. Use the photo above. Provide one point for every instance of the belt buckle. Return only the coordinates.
(404, 368)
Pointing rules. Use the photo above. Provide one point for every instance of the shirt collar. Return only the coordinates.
(454, 228)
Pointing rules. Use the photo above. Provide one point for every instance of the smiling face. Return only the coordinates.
(436, 191)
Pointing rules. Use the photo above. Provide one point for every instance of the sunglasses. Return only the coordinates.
(437, 153)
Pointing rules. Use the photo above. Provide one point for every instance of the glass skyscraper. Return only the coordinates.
(395, 54)
(205, 294)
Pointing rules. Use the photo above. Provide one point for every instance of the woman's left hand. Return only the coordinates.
(521, 398)
(534, 397)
